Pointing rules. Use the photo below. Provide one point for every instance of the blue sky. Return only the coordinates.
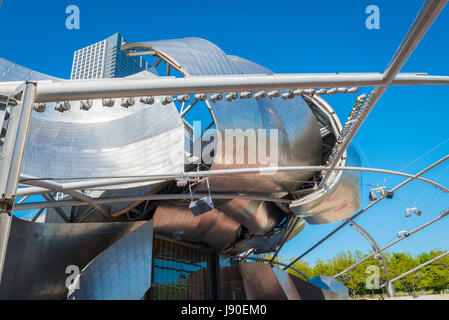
(288, 37)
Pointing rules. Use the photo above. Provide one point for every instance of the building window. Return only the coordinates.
(181, 272)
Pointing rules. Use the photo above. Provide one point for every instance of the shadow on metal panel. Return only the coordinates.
(122, 271)
(39, 253)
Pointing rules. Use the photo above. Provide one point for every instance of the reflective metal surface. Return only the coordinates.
(341, 200)
(39, 253)
(299, 140)
(329, 283)
(150, 139)
(104, 141)
(213, 228)
(260, 281)
(122, 271)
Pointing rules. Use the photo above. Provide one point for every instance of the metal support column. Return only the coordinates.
(11, 160)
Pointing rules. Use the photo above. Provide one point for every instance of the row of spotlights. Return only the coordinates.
(128, 102)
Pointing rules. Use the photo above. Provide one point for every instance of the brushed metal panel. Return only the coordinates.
(258, 217)
(299, 137)
(115, 141)
(177, 221)
(340, 202)
(330, 284)
(122, 271)
(260, 282)
(38, 254)
(10, 71)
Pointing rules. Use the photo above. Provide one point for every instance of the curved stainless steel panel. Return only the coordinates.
(122, 271)
(9, 71)
(258, 217)
(299, 140)
(195, 55)
(177, 221)
(341, 200)
(138, 144)
(330, 284)
(105, 141)
(39, 253)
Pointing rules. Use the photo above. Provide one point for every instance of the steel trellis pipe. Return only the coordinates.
(433, 165)
(446, 213)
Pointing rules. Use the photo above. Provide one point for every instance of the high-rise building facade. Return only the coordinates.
(104, 59)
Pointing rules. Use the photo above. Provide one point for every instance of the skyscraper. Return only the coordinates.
(104, 59)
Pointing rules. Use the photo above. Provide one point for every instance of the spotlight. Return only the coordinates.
(147, 100)
(231, 96)
(273, 94)
(260, 95)
(361, 98)
(246, 94)
(180, 183)
(342, 90)
(39, 107)
(372, 195)
(352, 90)
(309, 92)
(402, 234)
(216, 97)
(321, 91)
(86, 104)
(288, 95)
(166, 100)
(127, 102)
(108, 102)
(201, 96)
(331, 91)
(409, 211)
(183, 98)
(380, 191)
(298, 92)
(202, 205)
(62, 106)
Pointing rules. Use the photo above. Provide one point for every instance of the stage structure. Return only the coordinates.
(165, 183)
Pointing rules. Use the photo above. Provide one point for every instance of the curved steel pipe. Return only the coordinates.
(433, 165)
(94, 183)
(373, 243)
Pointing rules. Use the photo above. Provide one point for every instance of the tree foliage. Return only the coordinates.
(433, 277)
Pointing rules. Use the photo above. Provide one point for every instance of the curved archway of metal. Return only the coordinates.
(373, 244)
(147, 49)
